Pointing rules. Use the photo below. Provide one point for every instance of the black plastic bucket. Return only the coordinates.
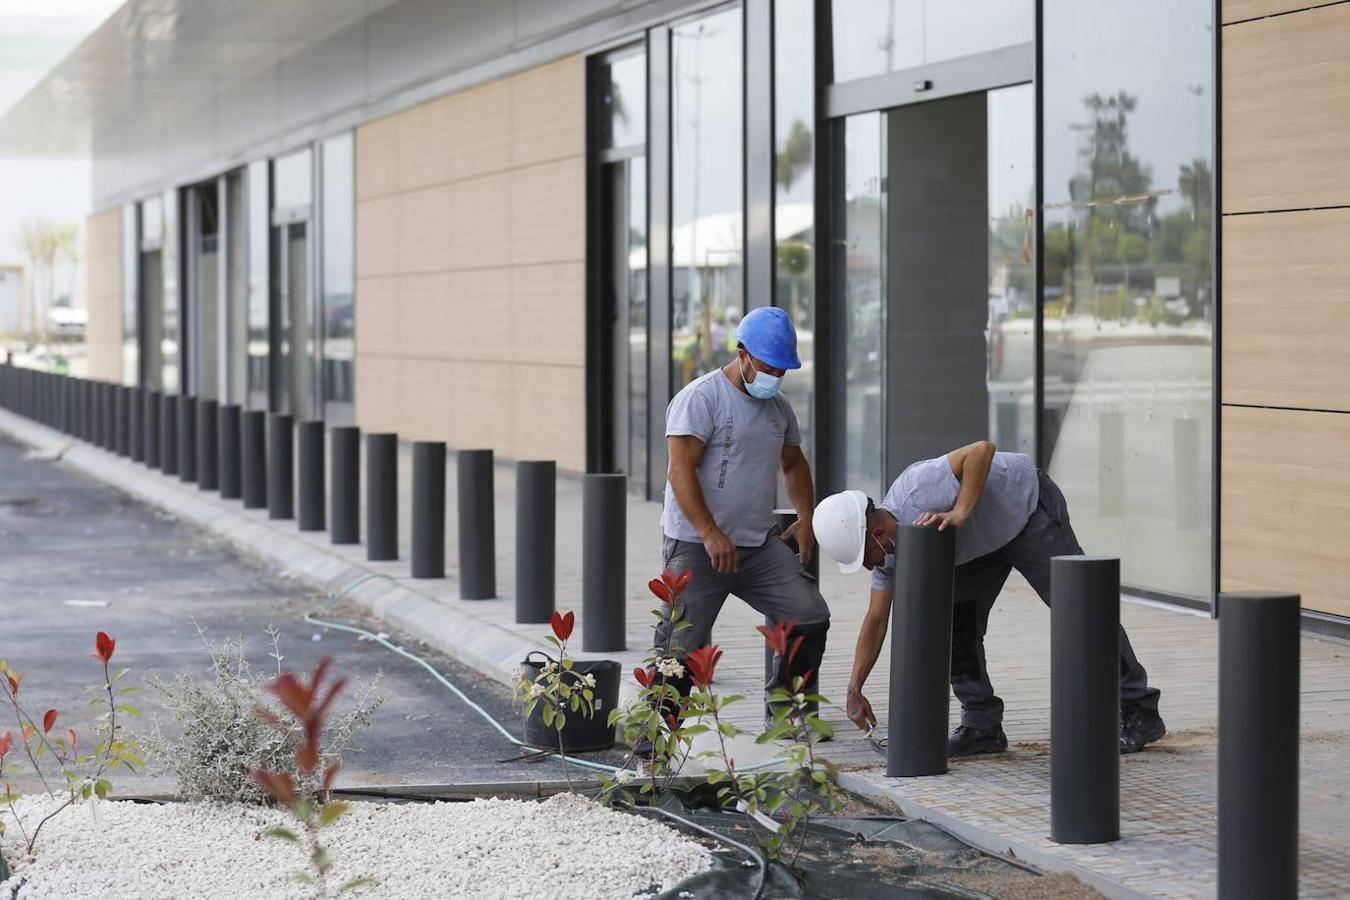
(580, 734)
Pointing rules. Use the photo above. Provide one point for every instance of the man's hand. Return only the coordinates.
(955, 518)
(859, 711)
(800, 531)
(721, 551)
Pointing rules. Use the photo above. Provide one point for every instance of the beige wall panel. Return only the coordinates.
(1286, 309)
(549, 213)
(1286, 504)
(549, 112)
(481, 303)
(551, 416)
(377, 158)
(480, 221)
(1286, 111)
(1238, 10)
(425, 410)
(424, 229)
(377, 393)
(377, 236)
(425, 325)
(481, 397)
(548, 314)
(479, 136)
(377, 317)
(424, 150)
(103, 294)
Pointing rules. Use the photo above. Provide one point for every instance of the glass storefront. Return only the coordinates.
(707, 193)
(131, 251)
(337, 209)
(150, 291)
(258, 207)
(794, 179)
(1129, 305)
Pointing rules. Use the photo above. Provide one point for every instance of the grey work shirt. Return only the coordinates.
(1007, 502)
(743, 442)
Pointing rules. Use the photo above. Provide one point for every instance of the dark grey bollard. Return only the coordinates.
(253, 458)
(187, 438)
(536, 540)
(1084, 699)
(1258, 745)
(281, 467)
(87, 411)
(428, 510)
(121, 421)
(96, 417)
(381, 497)
(921, 650)
(208, 445)
(105, 416)
(604, 557)
(228, 447)
(168, 435)
(346, 485)
(310, 475)
(151, 421)
(136, 422)
(477, 525)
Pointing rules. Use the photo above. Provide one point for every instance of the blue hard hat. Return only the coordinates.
(767, 333)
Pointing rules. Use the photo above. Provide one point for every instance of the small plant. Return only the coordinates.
(308, 705)
(560, 688)
(781, 800)
(85, 776)
(221, 740)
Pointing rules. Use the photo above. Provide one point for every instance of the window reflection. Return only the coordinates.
(637, 322)
(873, 37)
(170, 333)
(863, 297)
(259, 226)
(338, 193)
(1128, 282)
(706, 244)
(794, 185)
(623, 98)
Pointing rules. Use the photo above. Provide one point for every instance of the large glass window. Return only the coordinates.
(623, 101)
(707, 203)
(794, 196)
(873, 37)
(257, 353)
(1010, 345)
(131, 252)
(150, 290)
(171, 335)
(1129, 304)
(337, 210)
(860, 259)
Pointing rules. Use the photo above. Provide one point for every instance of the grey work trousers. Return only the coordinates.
(978, 583)
(771, 580)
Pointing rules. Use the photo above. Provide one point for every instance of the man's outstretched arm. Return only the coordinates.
(970, 464)
(870, 638)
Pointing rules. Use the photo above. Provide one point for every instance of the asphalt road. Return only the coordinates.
(77, 557)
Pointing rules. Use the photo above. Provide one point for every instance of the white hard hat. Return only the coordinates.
(840, 524)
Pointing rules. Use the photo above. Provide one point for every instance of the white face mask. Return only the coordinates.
(764, 387)
(888, 562)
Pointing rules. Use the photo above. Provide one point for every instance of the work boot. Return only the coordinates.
(967, 741)
(1139, 726)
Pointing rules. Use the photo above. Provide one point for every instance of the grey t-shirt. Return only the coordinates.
(1007, 502)
(743, 442)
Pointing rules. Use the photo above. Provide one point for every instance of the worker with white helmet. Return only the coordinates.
(729, 434)
(1007, 516)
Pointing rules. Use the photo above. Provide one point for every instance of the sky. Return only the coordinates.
(35, 35)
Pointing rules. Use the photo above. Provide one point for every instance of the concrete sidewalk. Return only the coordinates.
(1001, 803)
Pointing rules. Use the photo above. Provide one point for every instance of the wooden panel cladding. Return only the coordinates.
(1241, 10)
(1286, 111)
(1286, 309)
(1285, 509)
(103, 294)
(470, 308)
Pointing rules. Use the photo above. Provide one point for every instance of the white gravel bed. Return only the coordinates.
(563, 847)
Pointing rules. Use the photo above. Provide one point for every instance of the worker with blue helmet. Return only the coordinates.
(729, 433)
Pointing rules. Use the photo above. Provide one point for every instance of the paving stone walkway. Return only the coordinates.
(1167, 793)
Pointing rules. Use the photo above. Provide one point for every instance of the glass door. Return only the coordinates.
(291, 347)
(626, 277)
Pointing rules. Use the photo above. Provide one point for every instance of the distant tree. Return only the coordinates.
(796, 155)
